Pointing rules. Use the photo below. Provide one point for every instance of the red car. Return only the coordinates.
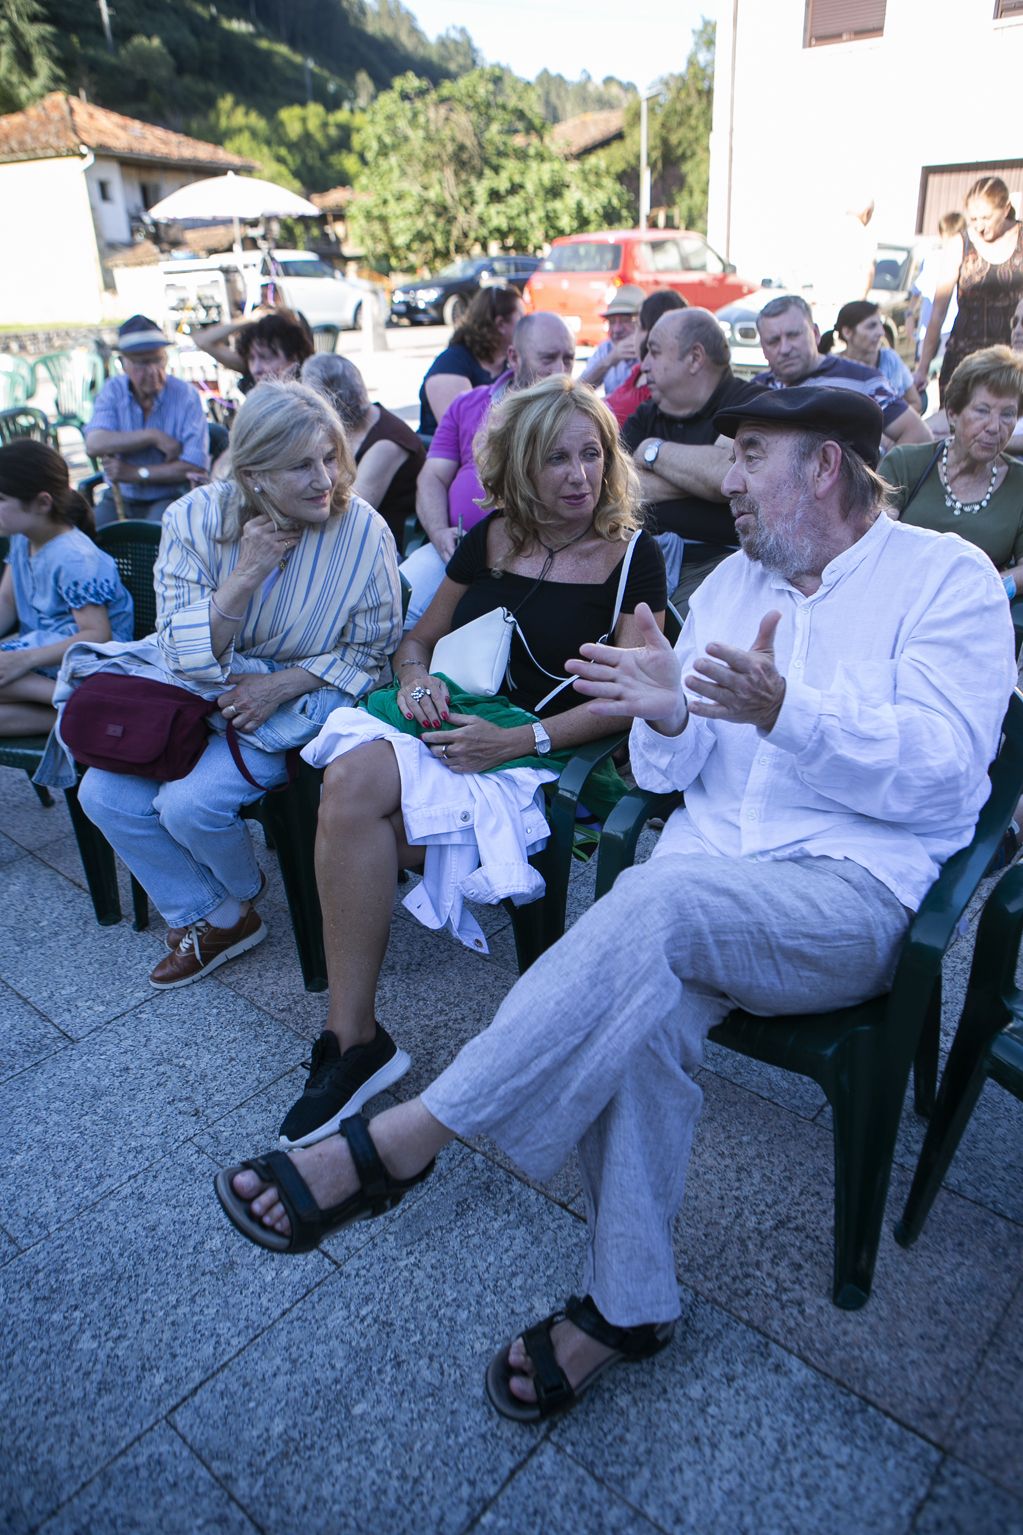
(579, 277)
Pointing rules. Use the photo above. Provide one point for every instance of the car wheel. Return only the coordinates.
(454, 309)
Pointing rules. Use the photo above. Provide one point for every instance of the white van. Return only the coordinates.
(206, 291)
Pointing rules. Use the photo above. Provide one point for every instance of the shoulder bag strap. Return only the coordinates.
(291, 759)
(930, 465)
(619, 598)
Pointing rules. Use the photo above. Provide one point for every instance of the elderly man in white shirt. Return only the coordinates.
(830, 710)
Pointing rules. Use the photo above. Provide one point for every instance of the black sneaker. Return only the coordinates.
(338, 1086)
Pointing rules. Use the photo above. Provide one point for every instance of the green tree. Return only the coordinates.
(28, 47)
(679, 122)
(468, 164)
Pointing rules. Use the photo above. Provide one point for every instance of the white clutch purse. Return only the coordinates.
(475, 656)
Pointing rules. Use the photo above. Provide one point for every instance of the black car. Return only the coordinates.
(443, 299)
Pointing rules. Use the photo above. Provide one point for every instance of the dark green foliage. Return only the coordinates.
(28, 48)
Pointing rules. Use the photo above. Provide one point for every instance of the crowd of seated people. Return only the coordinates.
(812, 492)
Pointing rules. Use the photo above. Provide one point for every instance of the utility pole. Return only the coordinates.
(644, 168)
(104, 14)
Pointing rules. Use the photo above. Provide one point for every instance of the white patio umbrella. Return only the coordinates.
(232, 197)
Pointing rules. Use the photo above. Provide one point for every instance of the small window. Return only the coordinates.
(842, 21)
(104, 192)
(1004, 8)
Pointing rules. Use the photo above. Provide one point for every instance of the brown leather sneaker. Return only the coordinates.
(204, 947)
(173, 936)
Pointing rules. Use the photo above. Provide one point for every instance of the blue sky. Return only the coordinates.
(634, 40)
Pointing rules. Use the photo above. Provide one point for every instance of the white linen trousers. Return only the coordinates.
(595, 1046)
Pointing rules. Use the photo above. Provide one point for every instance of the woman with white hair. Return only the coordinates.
(388, 454)
(277, 596)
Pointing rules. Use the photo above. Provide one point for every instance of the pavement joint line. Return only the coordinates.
(614, 1491)
(542, 1438)
(231, 1496)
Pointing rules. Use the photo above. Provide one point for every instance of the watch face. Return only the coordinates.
(651, 453)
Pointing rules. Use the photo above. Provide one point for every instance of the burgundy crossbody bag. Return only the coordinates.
(149, 729)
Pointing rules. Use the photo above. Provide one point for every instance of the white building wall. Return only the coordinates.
(801, 132)
(49, 265)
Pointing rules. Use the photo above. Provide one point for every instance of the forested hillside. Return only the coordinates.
(445, 154)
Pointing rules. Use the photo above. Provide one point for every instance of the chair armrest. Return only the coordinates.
(621, 832)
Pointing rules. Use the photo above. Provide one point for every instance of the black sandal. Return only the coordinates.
(554, 1393)
(377, 1193)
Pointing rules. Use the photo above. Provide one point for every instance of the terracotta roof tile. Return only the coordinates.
(61, 124)
(589, 131)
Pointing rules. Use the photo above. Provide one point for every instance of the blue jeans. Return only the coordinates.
(185, 841)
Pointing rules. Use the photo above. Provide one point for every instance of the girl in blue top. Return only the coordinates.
(57, 587)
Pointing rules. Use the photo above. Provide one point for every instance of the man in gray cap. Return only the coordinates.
(613, 359)
(830, 711)
(149, 430)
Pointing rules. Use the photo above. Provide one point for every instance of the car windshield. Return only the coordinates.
(584, 256)
(299, 268)
(891, 268)
(463, 268)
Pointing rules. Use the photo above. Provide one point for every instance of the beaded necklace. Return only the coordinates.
(952, 501)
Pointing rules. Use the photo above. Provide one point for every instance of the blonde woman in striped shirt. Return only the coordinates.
(277, 593)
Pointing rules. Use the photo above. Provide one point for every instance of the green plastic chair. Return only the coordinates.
(988, 1043)
(26, 421)
(133, 547)
(861, 1056)
(78, 377)
(325, 337)
(17, 380)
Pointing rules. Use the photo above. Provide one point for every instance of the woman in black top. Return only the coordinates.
(550, 460)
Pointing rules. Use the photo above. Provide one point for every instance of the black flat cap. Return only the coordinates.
(844, 415)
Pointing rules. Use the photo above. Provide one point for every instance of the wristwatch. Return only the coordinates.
(651, 451)
(143, 472)
(542, 739)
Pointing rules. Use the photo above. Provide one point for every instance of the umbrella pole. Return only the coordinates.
(237, 235)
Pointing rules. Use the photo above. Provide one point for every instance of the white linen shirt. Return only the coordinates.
(898, 671)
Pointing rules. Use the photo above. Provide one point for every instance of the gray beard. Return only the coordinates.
(799, 550)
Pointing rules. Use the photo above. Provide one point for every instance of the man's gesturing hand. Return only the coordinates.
(742, 686)
(644, 682)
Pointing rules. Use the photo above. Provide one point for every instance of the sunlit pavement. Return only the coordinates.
(163, 1375)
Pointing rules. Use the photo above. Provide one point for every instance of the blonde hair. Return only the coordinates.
(276, 427)
(997, 368)
(520, 435)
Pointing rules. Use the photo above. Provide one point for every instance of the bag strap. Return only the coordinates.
(619, 598)
(291, 758)
(930, 465)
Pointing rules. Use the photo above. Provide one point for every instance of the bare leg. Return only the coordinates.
(360, 845)
(25, 719)
(26, 706)
(406, 1137)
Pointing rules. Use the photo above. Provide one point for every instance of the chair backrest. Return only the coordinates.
(17, 380)
(942, 908)
(133, 546)
(77, 376)
(25, 421)
(325, 337)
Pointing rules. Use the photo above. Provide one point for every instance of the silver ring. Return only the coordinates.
(230, 712)
(444, 751)
(416, 694)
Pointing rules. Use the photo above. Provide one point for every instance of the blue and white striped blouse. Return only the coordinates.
(335, 609)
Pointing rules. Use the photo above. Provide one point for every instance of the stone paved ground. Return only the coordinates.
(162, 1375)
